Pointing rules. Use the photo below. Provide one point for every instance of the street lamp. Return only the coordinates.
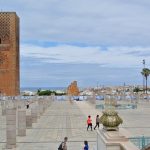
(143, 77)
(143, 63)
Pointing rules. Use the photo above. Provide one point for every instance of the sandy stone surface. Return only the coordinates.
(63, 118)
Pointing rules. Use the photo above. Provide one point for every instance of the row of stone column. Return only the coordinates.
(21, 119)
(91, 99)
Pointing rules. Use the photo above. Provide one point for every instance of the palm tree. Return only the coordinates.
(145, 72)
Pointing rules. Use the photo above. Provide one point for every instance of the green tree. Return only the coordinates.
(45, 92)
(145, 72)
(49, 92)
(136, 89)
(39, 90)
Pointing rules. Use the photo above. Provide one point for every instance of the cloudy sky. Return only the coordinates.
(96, 42)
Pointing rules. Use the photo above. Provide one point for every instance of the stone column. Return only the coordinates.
(49, 100)
(21, 123)
(15, 103)
(44, 105)
(41, 107)
(20, 104)
(3, 105)
(28, 121)
(37, 111)
(34, 114)
(10, 128)
(93, 99)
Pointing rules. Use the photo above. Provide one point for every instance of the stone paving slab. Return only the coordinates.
(63, 118)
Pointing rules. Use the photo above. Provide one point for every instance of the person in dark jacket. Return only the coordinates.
(86, 147)
(63, 145)
(97, 122)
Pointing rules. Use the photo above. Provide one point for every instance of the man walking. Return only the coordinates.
(63, 145)
(97, 122)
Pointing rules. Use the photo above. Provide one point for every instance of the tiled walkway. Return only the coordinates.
(64, 118)
(61, 119)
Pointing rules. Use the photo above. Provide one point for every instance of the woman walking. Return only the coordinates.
(89, 123)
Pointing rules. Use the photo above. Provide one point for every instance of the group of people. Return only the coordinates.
(89, 122)
(63, 145)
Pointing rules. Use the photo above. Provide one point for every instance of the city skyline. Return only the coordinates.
(89, 41)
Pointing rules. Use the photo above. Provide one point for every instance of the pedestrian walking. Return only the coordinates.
(97, 122)
(63, 145)
(27, 105)
(89, 123)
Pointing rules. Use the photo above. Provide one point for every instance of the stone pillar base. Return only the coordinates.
(21, 123)
(28, 121)
(10, 128)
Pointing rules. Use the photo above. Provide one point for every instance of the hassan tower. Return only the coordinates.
(9, 54)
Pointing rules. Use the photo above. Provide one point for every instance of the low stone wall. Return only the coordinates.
(113, 140)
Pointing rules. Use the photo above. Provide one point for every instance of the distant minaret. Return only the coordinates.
(9, 54)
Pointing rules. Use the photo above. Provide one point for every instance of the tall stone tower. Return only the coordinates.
(9, 54)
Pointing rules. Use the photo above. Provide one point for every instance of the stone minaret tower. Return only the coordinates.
(9, 54)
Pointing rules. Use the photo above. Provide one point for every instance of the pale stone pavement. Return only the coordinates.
(137, 121)
(63, 118)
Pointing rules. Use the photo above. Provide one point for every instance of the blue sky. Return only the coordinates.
(91, 41)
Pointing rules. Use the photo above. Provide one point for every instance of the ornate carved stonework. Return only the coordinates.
(9, 53)
(4, 28)
(110, 120)
(3, 59)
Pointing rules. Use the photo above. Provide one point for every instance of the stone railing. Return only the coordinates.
(114, 140)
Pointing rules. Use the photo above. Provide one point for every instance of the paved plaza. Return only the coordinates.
(65, 118)
(137, 121)
(61, 119)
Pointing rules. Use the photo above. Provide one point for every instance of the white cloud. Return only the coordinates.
(108, 57)
(120, 26)
(97, 22)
